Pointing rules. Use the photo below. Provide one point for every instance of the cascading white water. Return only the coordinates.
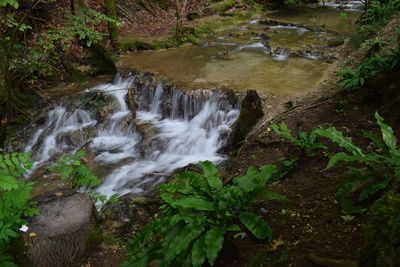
(63, 130)
(193, 132)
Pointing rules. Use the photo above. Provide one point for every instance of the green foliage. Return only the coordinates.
(198, 211)
(378, 63)
(292, 3)
(377, 13)
(369, 173)
(103, 202)
(15, 203)
(13, 3)
(307, 142)
(382, 233)
(73, 169)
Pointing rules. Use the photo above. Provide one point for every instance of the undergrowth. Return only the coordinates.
(376, 63)
(198, 211)
(15, 202)
(368, 173)
(75, 171)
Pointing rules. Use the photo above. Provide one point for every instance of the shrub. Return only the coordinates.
(382, 233)
(198, 211)
(306, 142)
(75, 171)
(15, 203)
(369, 173)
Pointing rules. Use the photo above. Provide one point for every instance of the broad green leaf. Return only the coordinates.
(373, 188)
(255, 179)
(256, 225)
(211, 173)
(188, 202)
(336, 136)
(214, 239)
(199, 252)
(233, 228)
(181, 242)
(352, 180)
(342, 156)
(387, 133)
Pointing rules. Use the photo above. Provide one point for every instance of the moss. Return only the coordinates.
(220, 7)
(103, 59)
(192, 35)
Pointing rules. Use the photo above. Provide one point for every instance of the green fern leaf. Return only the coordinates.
(257, 226)
(214, 239)
(211, 174)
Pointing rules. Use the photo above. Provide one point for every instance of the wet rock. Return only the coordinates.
(60, 235)
(226, 55)
(132, 102)
(335, 41)
(251, 111)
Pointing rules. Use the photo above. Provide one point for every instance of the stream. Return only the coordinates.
(132, 154)
(284, 52)
(136, 132)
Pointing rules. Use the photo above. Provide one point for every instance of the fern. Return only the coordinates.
(15, 203)
(382, 233)
(198, 211)
(369, 173)
(72, 168)
(306, 142)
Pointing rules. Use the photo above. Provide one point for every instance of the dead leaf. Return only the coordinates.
(276, 243)
(33, 234)
(59, 194)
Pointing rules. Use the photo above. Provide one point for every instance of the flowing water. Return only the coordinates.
(286, 56)
(137, 152)
(137, 133)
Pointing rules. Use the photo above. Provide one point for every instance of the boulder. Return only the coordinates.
(250, 112)
(335, 41)
(60, 235)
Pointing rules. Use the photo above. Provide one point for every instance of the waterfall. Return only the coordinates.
(139, 152)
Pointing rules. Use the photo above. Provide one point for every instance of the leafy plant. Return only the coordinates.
(382, 233)
(369, 173)
(15, 203)
(73, 169)
(377, 14)
(306, 142)
(354, 78)
(198, 211)
(103, 202)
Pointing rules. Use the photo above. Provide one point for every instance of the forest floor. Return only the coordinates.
(311, 221)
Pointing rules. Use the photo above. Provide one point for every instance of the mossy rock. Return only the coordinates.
(250, 112)
(335, 41)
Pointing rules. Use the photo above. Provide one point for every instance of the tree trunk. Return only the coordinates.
(180, 6)
(111, 11)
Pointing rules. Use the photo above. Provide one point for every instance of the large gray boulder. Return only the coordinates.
(60, 235)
